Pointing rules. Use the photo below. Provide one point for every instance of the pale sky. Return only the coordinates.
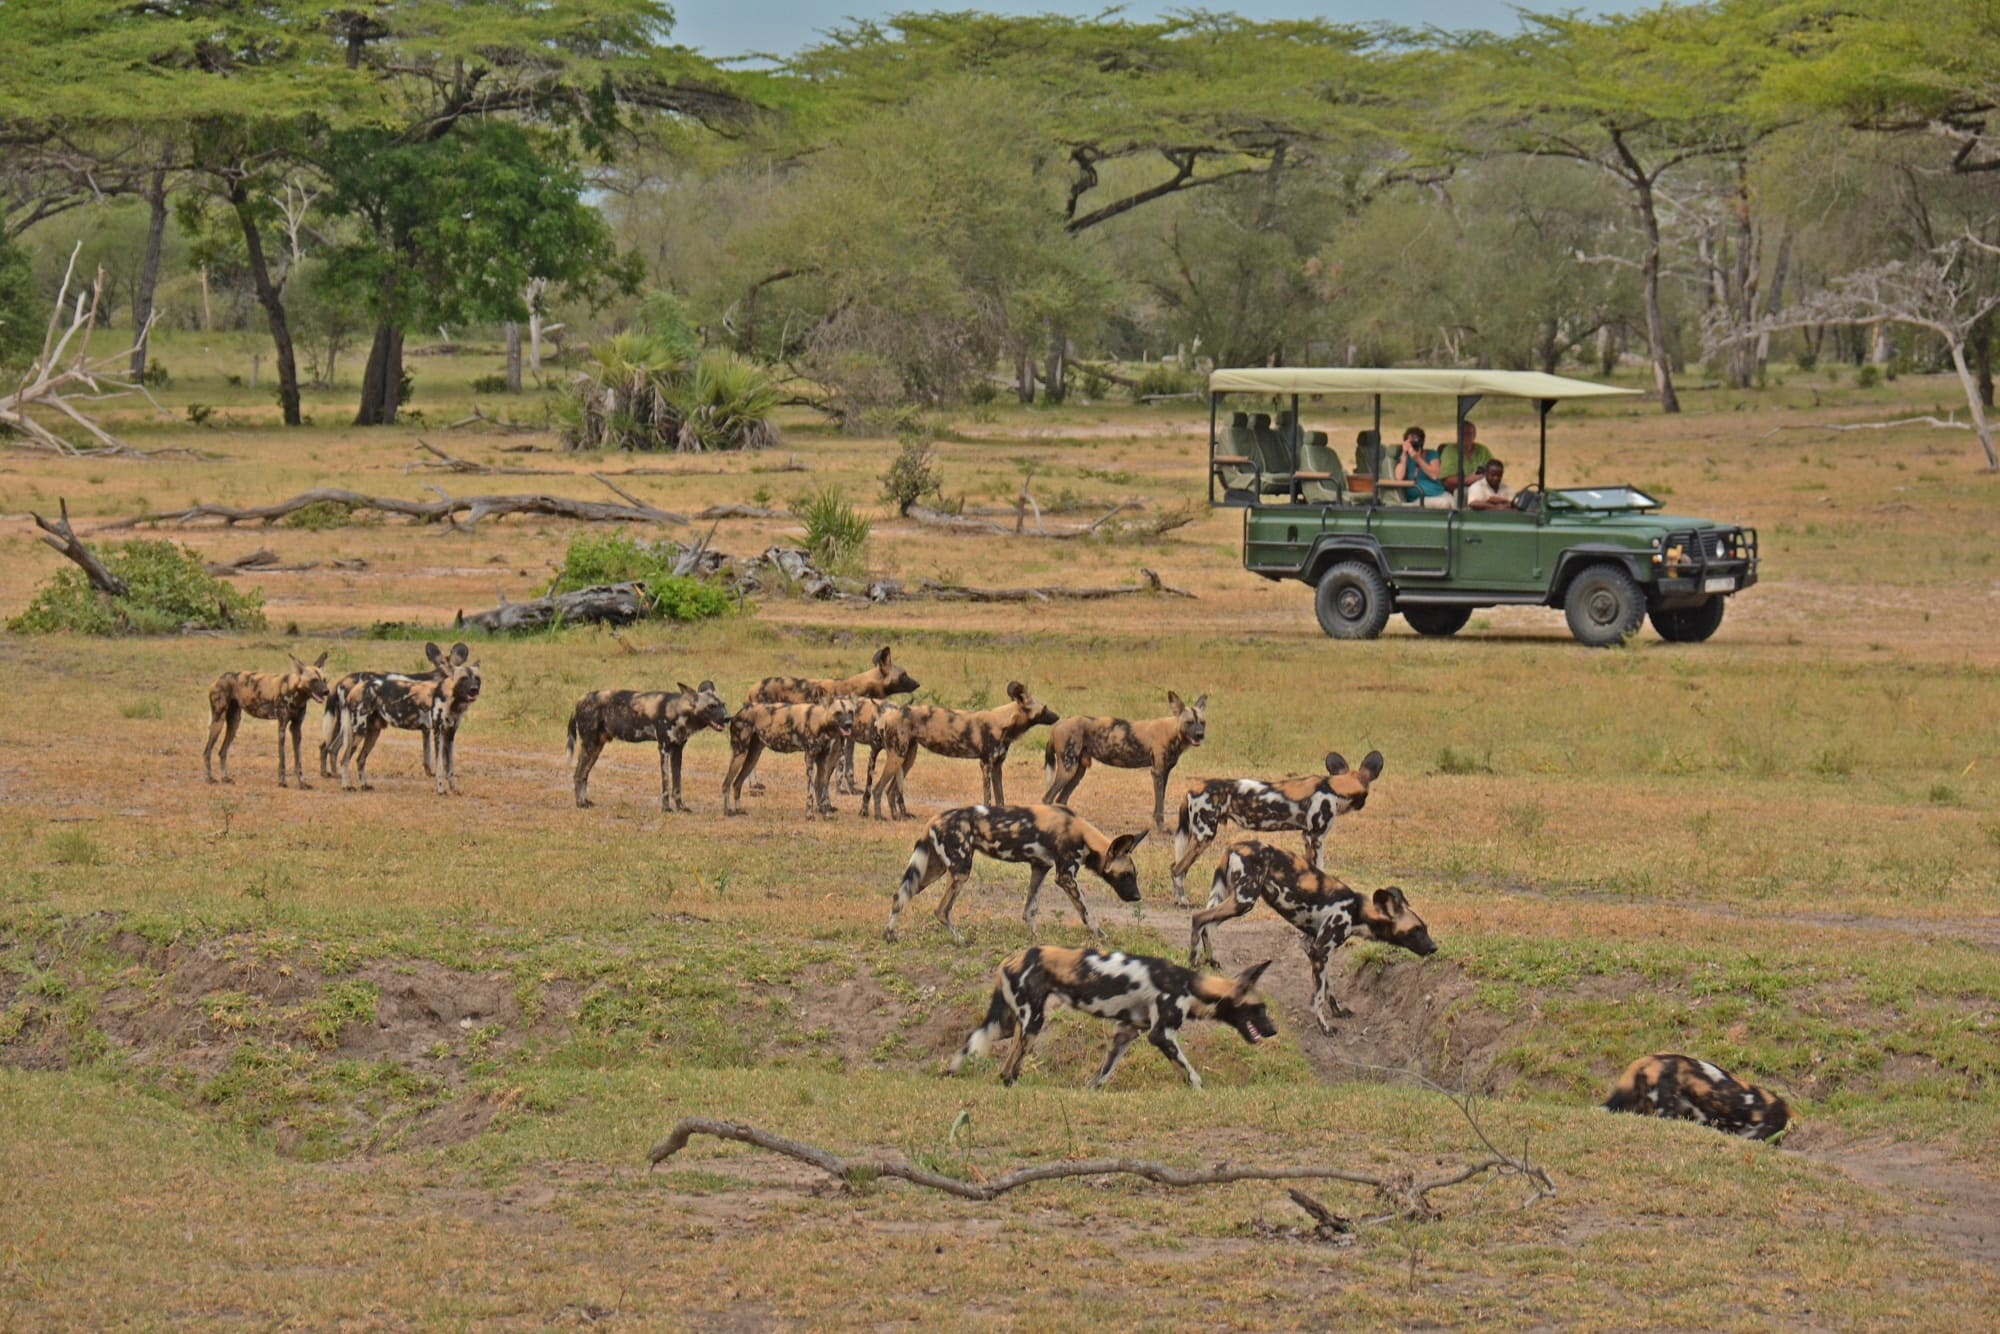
(736, 27)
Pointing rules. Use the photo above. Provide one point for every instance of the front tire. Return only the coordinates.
(1437, 622)
(1689, 625)
(1604, 606)
(1352, 601)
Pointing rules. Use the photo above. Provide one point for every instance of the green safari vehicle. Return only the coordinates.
(1604, 554)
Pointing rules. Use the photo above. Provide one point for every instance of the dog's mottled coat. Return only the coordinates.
(883, 678)
(435, 706)
(1308, 805)
(1155, 744)
(667, 718)
(1686, 1088)
(1046, 838)
(281, 696)
(817, 731)
(985, 735)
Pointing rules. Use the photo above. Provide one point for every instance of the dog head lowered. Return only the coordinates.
(1235, 1002)
(1386, 916)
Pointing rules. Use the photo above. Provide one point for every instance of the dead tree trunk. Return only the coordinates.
(382, 382)
(513, 356)
(149, 272)
(60, 536)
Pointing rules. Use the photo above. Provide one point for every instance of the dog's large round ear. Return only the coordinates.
(1247, 979)
(435, 654)
(1371, 766)
(297, 664)
(1174, 701)
(705, 685)
(684, 687)
(320, 661)
(1016, 691)
(1336, 763)
(882, 656)
(1389, 901)
(1201, 701)
(459, 653)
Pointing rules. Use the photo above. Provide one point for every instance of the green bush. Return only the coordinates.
(615, 558)
(836, 533)
(912, 475)
(168, 589)
(1163, 378)
(319, 516)
(490, 384)
(1868, 376)
(22, 315)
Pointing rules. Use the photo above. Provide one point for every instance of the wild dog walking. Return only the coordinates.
(1683, 1088)
(345, 691)
(1305, 804)
(1325, 911)
(1154, 744)
(604, 716)
(882, 679)
(1155, 997)
(985, 735)
(1047, 838)
(435, 707)
(284, 696)
(818, 731)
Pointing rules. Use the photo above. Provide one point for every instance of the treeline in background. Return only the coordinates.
(950, 207)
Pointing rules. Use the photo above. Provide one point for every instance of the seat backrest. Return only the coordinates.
(1367, 452)
(1243, 440)
(1315, 455)
(1239, 419)
(1271, 454)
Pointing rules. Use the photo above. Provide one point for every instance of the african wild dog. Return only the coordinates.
(284, 696)
(985, 735)
(869, 717)
(816, 730)
(604, 716)
(348, 690)
(888, 730)
(1305, 804)
(1323, 910)
(1154, 744)
(1683, 1088)
(1151, 996)
(882, 679)
(1048, 838)
(434, 707)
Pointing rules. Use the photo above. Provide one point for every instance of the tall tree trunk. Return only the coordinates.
(1024, 376)
(513, 356)
(1656, 323)
(149, 272)
(1776, 298)
(1055, 387)
(533, 297)
(272, 298)
(382, 382)
(1970, 383)
(1980, 343)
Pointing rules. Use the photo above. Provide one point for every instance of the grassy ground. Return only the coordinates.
(312, 1057)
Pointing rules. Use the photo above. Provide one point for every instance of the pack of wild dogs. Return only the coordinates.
(825, 720)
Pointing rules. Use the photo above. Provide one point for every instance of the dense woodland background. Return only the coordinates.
(949, 207)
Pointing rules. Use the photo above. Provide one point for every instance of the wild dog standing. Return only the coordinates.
(1686, 1089)
(284, 696)
(348, 690)
(1154, 744)
(882, 679)
(869, 717)
(985, 735)
(1144, 995)
(604, 716)
(1048, 838)
(1304, 804)
(1325, 911)
(891, 737)
(434, 707)
(818, 731)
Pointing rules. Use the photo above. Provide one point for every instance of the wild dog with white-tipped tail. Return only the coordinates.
(1047, 838)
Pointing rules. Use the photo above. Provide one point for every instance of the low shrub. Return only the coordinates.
(912, 475)
(836, 534)
(616, 558)
(1162, 377)
(319, 516)
(168, 590)
(490, 384)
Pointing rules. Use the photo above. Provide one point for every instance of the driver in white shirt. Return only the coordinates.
(1489, 493)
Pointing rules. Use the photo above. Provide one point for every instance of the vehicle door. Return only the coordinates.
(1416, 542)
(1500, 550)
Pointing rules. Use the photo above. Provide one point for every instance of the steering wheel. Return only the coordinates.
(1528, 500)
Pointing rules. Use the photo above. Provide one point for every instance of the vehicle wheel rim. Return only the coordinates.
(1352, 604)
(1602, 606)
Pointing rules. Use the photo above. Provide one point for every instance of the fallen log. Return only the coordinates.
(931, 588)
(445, 509)
(739, 512)
(59, 535)
(443, 462)
(610, 604)
(959, 523)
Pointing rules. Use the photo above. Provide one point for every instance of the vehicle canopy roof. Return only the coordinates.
(1359, 380)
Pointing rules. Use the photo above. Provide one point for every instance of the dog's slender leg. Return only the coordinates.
(1316, 848)
(296, 726)
(1160, 799)
(678, 750)
(1167, 1038)
(1123, 1038)
(959, 875)
(926, 865)
(1035, 877)
(235, 720)
(1189, 843)
(1029, 1018)
(998, 766)
(586, 760)
(281, 750)
(1066, 882)
(368, 741)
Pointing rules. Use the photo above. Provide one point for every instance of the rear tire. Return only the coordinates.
(1604, 606)
(1352, 601)
(1437, 622)
(1689, 625)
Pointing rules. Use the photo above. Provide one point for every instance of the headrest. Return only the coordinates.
(1368, 437)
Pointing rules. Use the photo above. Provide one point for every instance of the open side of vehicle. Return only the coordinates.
(1604, 554)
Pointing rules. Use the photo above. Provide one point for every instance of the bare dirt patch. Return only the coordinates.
(1956, 1208)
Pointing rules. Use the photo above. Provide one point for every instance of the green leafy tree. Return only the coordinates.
(21, 319)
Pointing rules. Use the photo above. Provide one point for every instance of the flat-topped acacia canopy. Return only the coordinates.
(1455, 384)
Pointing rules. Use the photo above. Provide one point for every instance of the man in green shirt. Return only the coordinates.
(1475, 457)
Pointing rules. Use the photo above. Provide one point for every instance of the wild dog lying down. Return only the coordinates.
(882, 679)
(604, 716)
(347, 690)
(284, 696)
(985, 735)
(1144, 995)
(1154, 744)
(1683, 1088)
(1325, 911)
(1048, 838)
(1304, 804)
(435, 707)
(817, 731)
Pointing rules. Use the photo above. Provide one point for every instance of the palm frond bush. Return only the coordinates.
(641, 391)
(727, 404)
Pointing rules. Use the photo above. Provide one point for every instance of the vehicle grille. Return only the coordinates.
(1689, 549)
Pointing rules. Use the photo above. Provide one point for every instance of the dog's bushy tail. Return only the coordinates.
(998, 1026)
(570, 748)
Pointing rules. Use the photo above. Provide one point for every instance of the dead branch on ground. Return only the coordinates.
(739, 512)
(1407, 1196)
(265, 561)
(445, 509)
(479, 417)
(443, 462)
(610, 604)
(1946, 423)
(931, 588)
(60, 536)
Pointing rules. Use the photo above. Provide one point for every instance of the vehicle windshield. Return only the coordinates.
(1602, 498)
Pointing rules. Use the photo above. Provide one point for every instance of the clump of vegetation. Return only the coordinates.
(490, 384)
(168, 589)
(640, 392)
(836, 534)
(912, 475)
(615, 558)
(319, 516)
(1163, 378)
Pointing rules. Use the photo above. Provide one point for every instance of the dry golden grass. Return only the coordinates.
(1778, 850)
